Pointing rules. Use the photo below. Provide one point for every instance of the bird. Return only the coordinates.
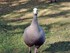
(34, 34)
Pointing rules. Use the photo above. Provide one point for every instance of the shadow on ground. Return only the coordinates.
(8, 8)
(55, 15)
(58, 47)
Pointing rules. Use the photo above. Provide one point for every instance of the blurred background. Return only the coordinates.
(53, 16)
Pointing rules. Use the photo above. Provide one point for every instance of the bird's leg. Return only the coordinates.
(29, 49)
(36, 50)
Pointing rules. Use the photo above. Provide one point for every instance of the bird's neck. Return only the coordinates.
(34, 20)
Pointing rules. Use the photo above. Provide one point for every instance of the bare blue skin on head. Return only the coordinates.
(34, 34)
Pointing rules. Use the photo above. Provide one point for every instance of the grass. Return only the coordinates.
(54, 18)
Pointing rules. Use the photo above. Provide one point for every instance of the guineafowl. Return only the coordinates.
(34, 35)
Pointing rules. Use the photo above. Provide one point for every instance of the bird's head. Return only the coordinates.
(35, 11)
